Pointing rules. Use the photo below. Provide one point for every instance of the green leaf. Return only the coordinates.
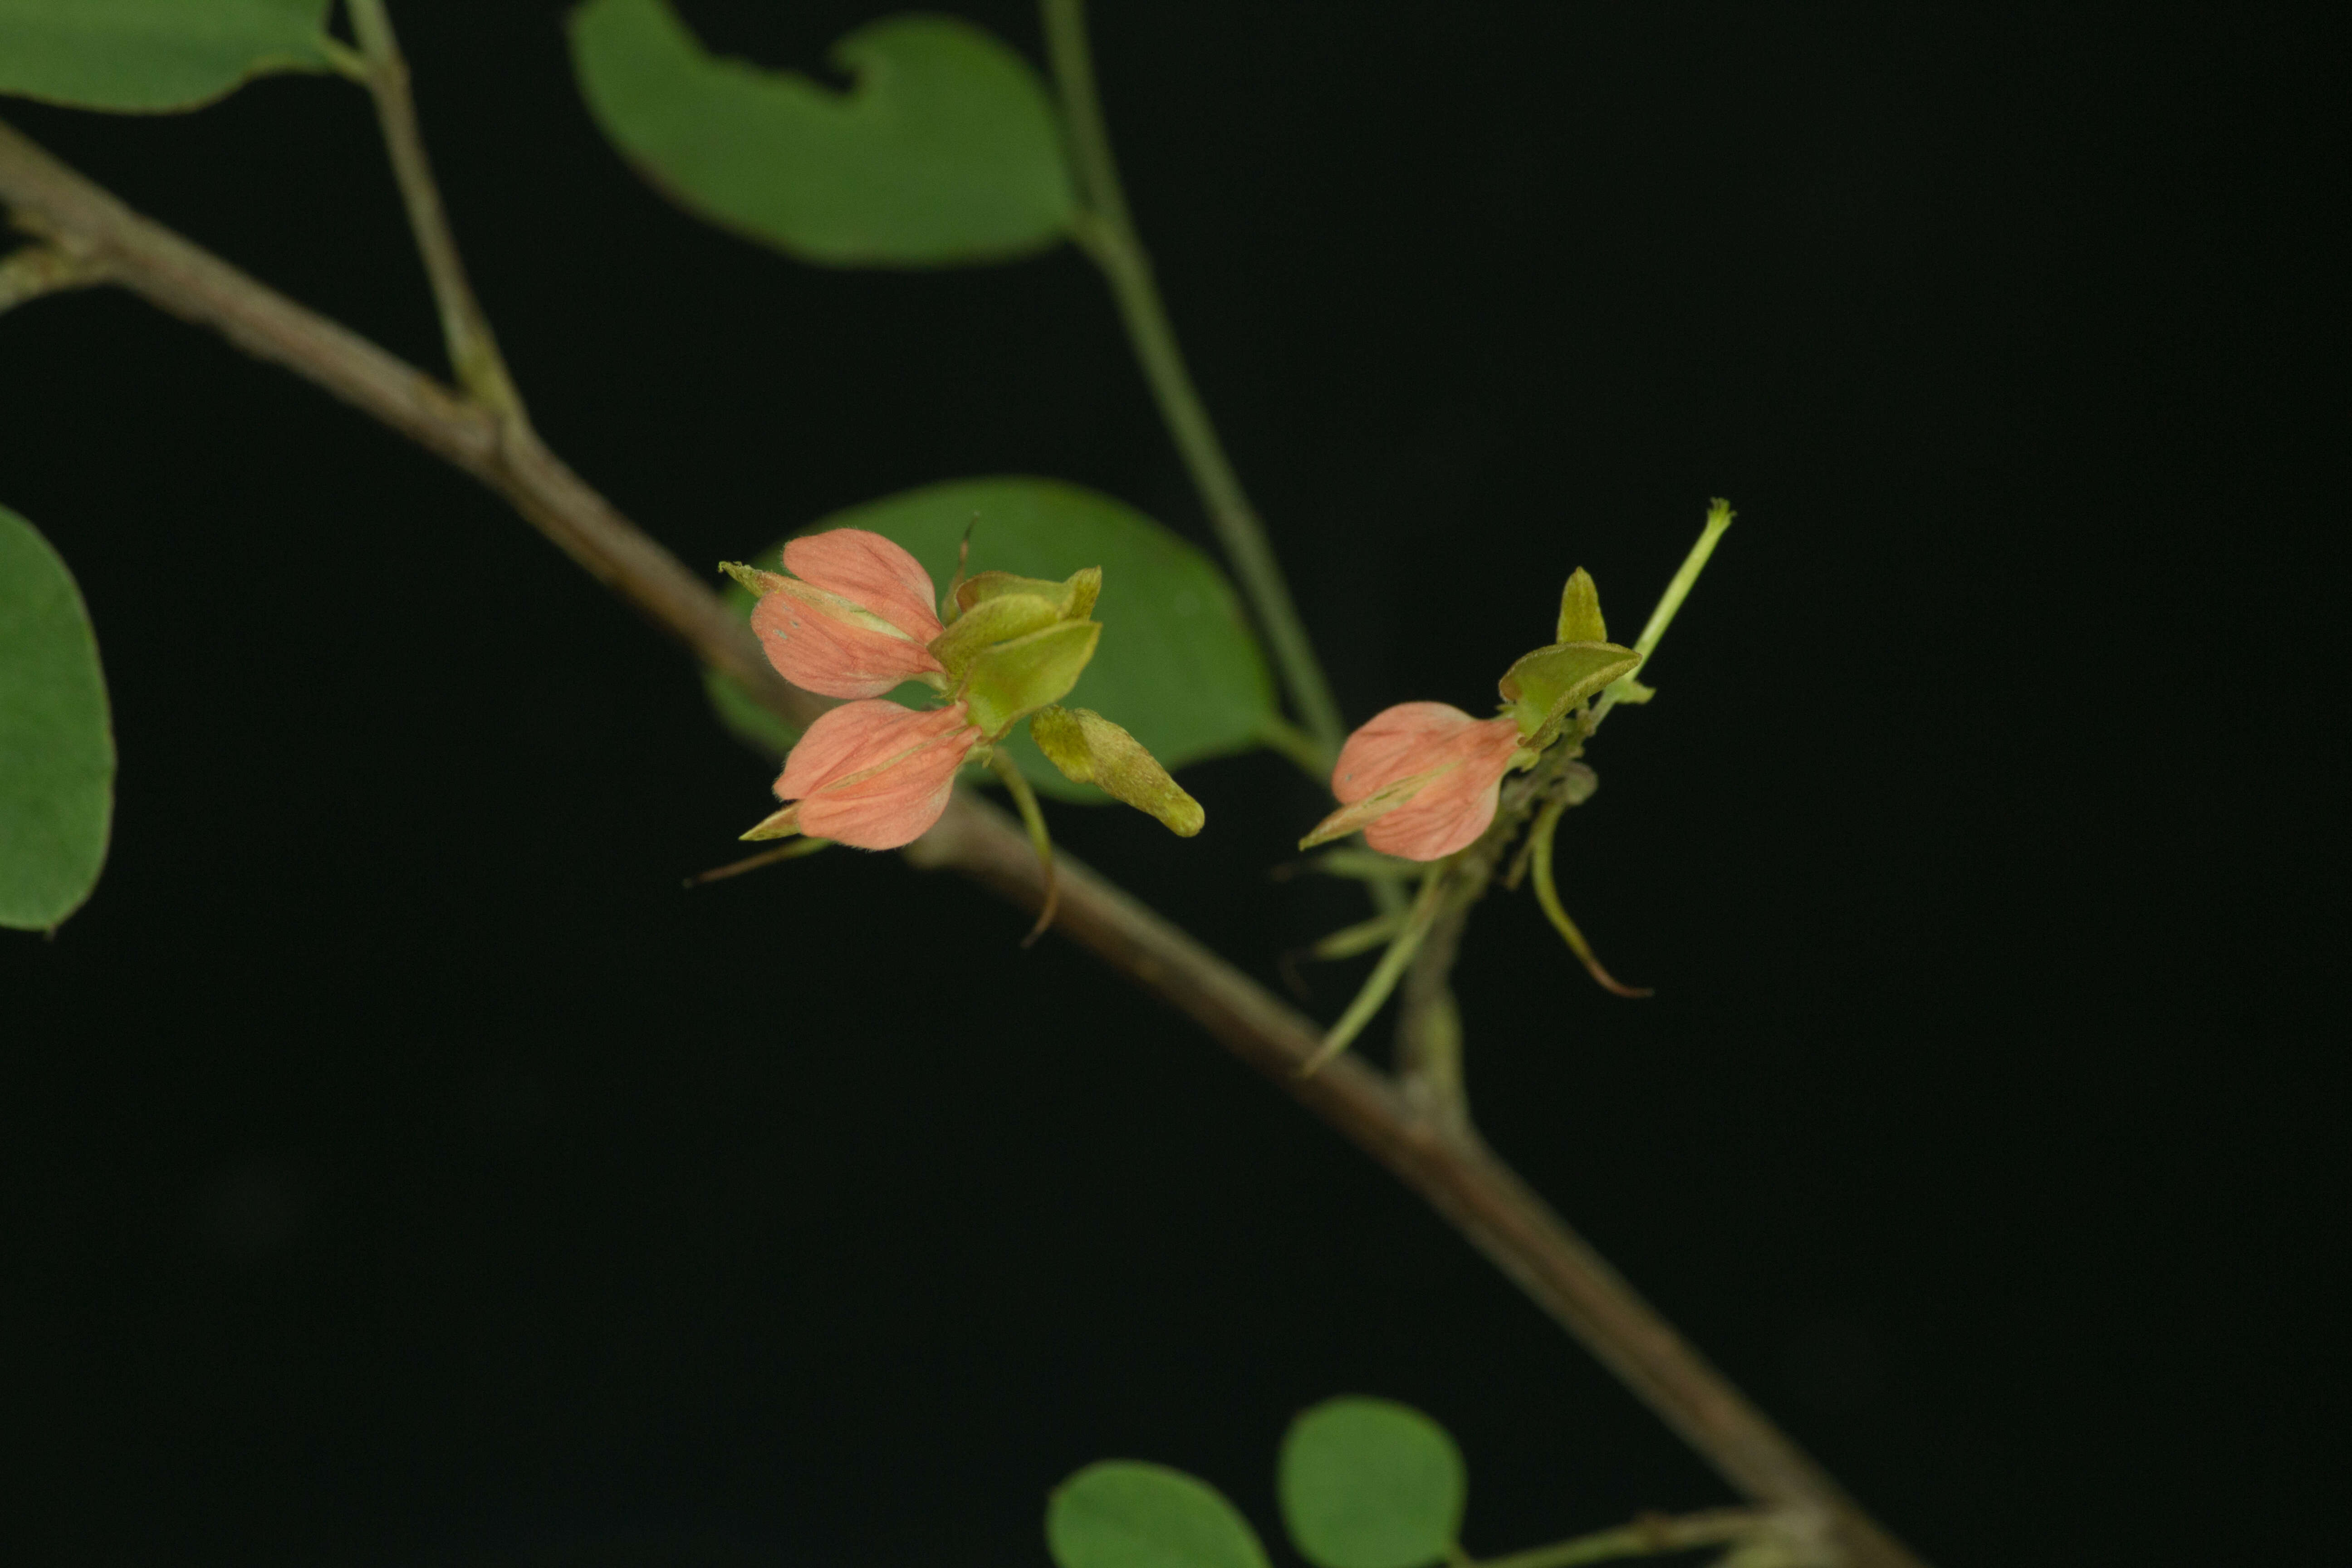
(57, 747)
(1369, 1483)
(152, 56)
(1122, 1513)
(946, 151)
(1177, 666)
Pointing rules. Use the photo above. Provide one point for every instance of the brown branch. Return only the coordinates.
(1446, 1164)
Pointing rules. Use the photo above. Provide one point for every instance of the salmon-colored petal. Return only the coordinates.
(1449, 813)
(893, 807)
(1396, 743)
(1420, 779)
(879, 777)
(867, 569)
(859, 736)
(821, 650)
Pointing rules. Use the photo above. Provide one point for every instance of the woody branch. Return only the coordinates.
(1444, 1161)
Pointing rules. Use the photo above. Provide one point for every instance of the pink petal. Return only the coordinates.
(1395, 743)
(1466, 758)
(858, 736)
(875, 774)
(891, 808)
(818, 651)
(871, 572)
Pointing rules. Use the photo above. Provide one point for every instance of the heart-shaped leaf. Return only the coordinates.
(1369, 1483)
(1177, 666)
(1122, 1513)
(57, 747)
(149, 56)
(946, 151)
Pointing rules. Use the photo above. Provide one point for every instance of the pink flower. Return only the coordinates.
(871, 774)
(1420, 780)
(854, 619)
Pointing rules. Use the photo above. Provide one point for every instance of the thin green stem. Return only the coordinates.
(1033, 818)
(1279, 734)
(1384, 975)
(473, 351)
(1718, 518)
(1540, 858)
(1362, 936)
(1648, 1537)
(1105, 233)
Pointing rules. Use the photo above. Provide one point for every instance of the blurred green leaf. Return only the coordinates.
(151, 56)
(57, 747)
(946, 151)
(1177, 667)
(1369, 1483)
(1122, 1513)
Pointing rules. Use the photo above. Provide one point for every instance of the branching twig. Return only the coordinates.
(1447, 1165)
(473, 351)
(33, 270)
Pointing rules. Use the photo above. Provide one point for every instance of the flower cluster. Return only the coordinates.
(1422, 780)
(857, 619)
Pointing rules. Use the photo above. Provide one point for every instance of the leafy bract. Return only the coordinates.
(1122, 1513)
(57, 747)
(1177, 666)
(152, 56)
(946, 151)
(1369, 1483)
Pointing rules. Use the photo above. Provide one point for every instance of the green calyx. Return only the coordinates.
(1006, 681)
(1090, 749)
(1543, 685)
(1072, 600)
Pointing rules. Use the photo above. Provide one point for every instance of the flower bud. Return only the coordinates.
(1090, 748)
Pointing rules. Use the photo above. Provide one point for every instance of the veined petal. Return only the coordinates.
(858, 737)
(871, 571)
(895, 806)
(821, 643)
(1395, 743)
(1422, 780)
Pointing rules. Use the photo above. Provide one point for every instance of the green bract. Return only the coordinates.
(1580, 611)
(1124, 1514)
(150, 56)
(1368, 1483)
(1007, 681)
(946, 152)
(1544, 685)
(1176, 665)
(56, 746)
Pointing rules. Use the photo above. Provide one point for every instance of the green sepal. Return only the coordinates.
(1090, 749)
(1074, 600)
(1006, 681)
(1580, 611)
(1543, 685)
(992, 621)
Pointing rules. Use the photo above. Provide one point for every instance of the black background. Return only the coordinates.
(402, 1170)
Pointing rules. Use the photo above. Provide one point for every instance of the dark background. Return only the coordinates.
(400, 1169)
